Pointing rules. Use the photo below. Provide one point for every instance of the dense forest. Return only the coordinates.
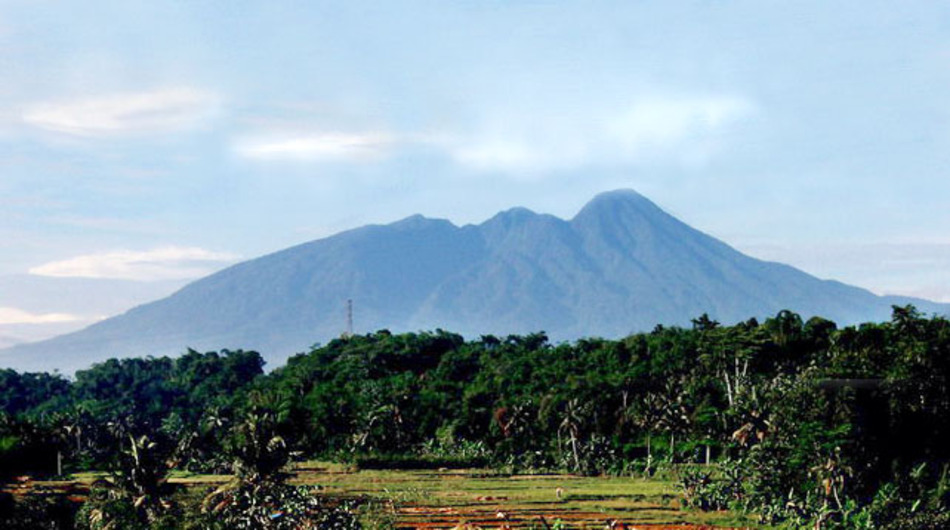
(798, 422)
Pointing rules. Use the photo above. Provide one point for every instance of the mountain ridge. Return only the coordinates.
(620, 265)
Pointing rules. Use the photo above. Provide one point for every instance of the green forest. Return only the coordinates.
(798, 423)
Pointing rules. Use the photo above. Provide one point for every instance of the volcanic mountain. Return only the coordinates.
(620, 265)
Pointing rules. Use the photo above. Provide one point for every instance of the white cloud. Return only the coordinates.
(665, 121)
(12, 315)
(682, 128)
(499, 153)
(318, 147)
(127, 113)
(165, 263)
(537, 140)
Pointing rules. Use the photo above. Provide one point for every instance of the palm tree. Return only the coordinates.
(259, 451)
(648, 417)
(260, 497)
(571, 422)
(139, 481)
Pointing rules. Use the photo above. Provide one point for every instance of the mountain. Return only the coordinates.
(79, 302)
(620, 265)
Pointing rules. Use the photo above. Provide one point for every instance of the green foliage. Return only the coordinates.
(271, 505)
(713, 488)
(33, 393)
(803, 422)
(260, 498)
(136, 496)
(417, 462)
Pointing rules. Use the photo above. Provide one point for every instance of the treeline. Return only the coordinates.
(46, 417)
(795, 421)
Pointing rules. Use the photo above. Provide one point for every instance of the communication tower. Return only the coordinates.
(349, 319)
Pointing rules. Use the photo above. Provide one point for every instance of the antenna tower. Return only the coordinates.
(349, 319)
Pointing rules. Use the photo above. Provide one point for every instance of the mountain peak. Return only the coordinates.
(518, 214)
(622, 198)
(618, 194)
(419, 222)
(619, 206)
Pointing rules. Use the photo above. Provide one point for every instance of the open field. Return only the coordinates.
(427, 499)
(443, 499)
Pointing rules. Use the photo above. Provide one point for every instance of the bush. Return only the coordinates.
(418, 462)
(270, 506)
(35, 512)
(712, 487)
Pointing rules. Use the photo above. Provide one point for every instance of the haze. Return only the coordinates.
(146, 144)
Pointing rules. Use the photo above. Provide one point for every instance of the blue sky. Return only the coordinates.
(153, 142)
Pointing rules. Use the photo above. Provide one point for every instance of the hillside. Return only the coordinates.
(620, 265)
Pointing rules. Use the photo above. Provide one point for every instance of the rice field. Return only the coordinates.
(473, 498)
(449, 498)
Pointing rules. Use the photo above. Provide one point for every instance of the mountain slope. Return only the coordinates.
(620, 265)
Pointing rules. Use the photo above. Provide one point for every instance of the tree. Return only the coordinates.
(136, 496)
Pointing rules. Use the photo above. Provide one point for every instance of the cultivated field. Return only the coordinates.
(433, 499)
(443, 499)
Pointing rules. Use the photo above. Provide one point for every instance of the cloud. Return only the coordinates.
(533, 140)
(665, 121)
(128, 113)
(682, 128)
(318, 147)
(165, 263)
(12, 315)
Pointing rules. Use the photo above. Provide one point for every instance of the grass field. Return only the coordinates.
(481, 498)
(444, 499)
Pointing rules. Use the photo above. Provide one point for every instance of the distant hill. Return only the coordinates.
(620, 265)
